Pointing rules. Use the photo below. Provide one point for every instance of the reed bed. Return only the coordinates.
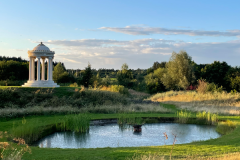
(33, 129)
(210, 118)
(129, 119)
(202, 117)
(214, 102)
(77, 123)
(183, 116)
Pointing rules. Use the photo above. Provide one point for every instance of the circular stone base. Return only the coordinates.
(48, 83)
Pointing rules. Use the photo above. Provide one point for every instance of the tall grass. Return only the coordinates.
(129, 119)
(204, 87)
(230, 156)
(28, 131)
(9, 113)
(210, 119)
(226, 127)
(214, 102)
(202, 117)
(76, 123)
(147, 157)
(183, 116)
(32, 130)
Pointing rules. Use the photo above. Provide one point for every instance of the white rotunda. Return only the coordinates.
(40, 52)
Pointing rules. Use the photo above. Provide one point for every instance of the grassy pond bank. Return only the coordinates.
(45, 119)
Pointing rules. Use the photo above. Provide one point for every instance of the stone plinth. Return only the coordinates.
(40, 84)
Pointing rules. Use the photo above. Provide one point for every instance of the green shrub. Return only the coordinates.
(73, 85)
(129, 119)
(12, 83)
(55, 97)
(119, 88)
(235, 83)
(204, 87)
(211, 87)
(226, 127)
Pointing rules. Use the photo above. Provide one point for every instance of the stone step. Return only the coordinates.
(40, 84)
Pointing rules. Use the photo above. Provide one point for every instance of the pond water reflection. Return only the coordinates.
(111, 135)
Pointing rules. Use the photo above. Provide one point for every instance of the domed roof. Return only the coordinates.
(42, 47)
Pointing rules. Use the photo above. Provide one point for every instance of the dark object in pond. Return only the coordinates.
(137, 128)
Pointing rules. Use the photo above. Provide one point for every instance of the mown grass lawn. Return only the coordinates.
(214, 147)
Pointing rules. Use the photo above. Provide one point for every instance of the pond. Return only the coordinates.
(110, 135)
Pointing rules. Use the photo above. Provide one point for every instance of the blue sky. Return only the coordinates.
(108, 33)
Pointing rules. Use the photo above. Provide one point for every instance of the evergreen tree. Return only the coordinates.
(57, 72)
(60, 75)
(124, 76)
(87, 76)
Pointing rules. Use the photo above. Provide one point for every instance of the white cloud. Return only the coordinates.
(140, 53)
(70, 60)
(21, 50)
(139, 30)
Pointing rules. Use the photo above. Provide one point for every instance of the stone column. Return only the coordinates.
(30, 68)
(33, 68)
(43, 69)
(49, 69)
(38, 68)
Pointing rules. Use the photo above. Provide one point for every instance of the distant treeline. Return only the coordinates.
(102, 72)
(17, 69)
(177, 74)
(18, 59)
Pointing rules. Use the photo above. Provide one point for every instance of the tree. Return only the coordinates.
(153, 81)
(198, 71)
(233, 79)
(180, 71)
(57, 71)
(13, 70)
(235, 83)
(106, 81)
(87, 76)
(217, 73)
(124, 76)
(157, 65)
(60, 75)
